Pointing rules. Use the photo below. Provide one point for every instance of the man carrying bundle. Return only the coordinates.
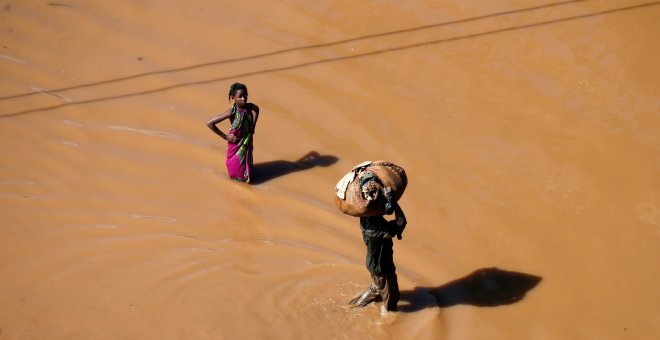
(377, 233)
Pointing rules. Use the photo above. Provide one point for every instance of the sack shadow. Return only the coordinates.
(265, 171)
(486, 287)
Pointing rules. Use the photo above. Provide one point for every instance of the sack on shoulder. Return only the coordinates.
(360, 192)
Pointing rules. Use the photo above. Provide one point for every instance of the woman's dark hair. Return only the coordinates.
(235, 87)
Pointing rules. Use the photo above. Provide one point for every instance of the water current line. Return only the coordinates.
(323, 61)
(308, 47)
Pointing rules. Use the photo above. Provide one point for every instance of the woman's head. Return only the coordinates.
(239, 93)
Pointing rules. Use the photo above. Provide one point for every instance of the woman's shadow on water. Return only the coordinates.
(486, 287)
(263, 172)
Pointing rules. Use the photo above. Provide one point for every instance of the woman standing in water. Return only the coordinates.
(243, 118)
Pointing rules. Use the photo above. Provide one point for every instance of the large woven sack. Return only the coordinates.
(355, 204)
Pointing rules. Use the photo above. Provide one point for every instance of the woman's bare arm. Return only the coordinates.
(255, 115)
(217, 119)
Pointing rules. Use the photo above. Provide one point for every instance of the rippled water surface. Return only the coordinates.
(530, 132)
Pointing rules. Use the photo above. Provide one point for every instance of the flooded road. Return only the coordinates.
(529, 130)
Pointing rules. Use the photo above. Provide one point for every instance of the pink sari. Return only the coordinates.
(239, 154)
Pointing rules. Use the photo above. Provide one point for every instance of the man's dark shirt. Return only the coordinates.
(377, 234)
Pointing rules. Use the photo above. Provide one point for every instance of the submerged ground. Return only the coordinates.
(530, 132)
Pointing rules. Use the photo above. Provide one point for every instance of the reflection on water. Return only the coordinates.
(529, 132)
(488, 287)
(265, 171)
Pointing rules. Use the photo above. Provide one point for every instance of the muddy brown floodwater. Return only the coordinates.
(529, 130)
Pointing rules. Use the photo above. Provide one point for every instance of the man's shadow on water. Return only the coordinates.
(263, 172)
(486, 287)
